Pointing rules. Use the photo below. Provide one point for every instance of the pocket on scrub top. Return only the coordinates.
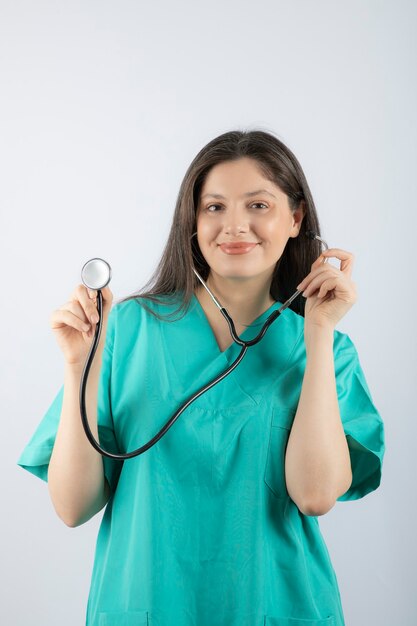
(274, 475)
(123, 618)
(295, 621)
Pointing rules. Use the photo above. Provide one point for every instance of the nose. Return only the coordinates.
(235, 221)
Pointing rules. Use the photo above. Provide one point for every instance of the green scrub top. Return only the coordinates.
(200, 529)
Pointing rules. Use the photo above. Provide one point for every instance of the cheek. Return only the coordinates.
(275, 237)
(206, 233)
(271, 227)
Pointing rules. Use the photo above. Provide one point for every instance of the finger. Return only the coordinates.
(107, 298)
(336, 276)
(316, 283)
(327, 285)
(340, 286)
(106, 294)
(63, 317)
(74, 307)
(343, 288)
(87, 304)
(319, 261)
(324, 267)
(320, 265)
(346, 258)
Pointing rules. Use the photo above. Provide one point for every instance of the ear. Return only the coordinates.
(298, 217)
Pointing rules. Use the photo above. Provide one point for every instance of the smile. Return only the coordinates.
(237, 248)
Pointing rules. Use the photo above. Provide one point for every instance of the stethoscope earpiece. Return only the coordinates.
(312, 235)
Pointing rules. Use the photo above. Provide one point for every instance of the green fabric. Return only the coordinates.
(200, 529)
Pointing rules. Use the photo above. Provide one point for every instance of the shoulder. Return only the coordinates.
(343, 344)
(125, 309)
(142, 311)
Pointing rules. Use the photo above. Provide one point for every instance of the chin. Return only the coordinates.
(235, 275)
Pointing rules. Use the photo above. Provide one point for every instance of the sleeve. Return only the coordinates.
(37, 453)
(362, 423)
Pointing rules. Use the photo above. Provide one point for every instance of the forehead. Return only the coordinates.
(242, 178)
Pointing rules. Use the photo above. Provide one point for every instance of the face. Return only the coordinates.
(263, 220)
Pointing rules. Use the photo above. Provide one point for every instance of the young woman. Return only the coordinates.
(216, 524)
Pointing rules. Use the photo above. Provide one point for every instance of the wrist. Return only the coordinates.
(76, 369)
(314, 334)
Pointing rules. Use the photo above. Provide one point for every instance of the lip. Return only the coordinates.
(237, 248)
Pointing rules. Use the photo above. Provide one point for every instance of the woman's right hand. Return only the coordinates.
(69, 323)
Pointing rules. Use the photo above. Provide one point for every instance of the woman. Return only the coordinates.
(216, 524)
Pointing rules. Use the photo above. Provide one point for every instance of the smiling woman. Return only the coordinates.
(243, 238)
(259, 182)
(216, 524)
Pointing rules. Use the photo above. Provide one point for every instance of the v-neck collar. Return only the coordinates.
(249, 333)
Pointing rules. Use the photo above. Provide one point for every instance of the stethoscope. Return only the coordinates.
(96, 275)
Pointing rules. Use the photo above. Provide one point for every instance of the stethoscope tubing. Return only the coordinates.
(169, 423)
(245, 344)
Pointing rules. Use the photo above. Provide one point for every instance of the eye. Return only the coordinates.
(219, 205)
(260, 203)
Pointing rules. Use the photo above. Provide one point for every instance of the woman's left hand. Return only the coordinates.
(330, 292)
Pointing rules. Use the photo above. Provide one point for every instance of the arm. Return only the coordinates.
(76, 482)
(317, 462)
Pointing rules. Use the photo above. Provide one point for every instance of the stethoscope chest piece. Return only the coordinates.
(96, 273)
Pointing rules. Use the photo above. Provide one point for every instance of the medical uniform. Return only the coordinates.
(200, 529)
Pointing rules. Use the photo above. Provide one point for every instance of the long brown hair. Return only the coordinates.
(174, 279)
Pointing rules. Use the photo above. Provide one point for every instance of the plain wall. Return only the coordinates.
(103, 105)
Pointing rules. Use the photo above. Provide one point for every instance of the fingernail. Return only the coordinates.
(94, 318)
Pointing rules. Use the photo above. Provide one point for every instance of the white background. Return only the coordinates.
(103, 105)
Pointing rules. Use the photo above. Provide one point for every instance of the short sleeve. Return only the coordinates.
(361, 420)
(36, 455)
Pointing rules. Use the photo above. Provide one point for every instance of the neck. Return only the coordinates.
(245, 300)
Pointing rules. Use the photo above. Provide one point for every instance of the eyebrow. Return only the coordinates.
(245, 195)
